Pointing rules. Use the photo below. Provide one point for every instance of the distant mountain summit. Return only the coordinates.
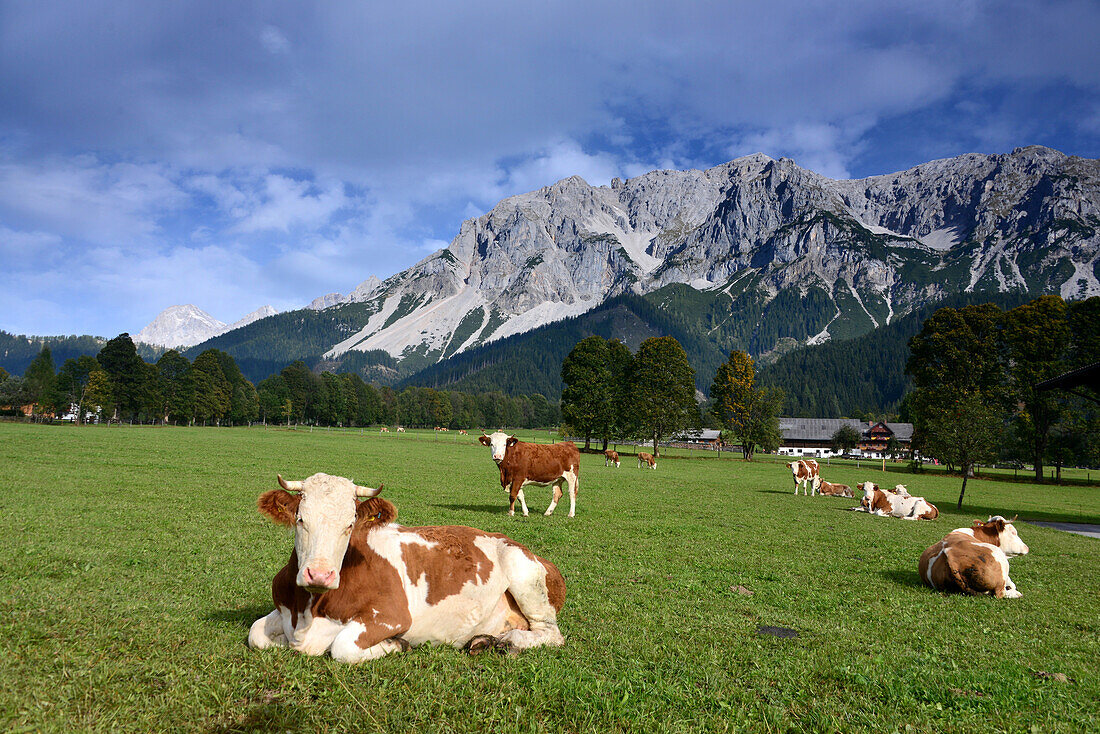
(756, 254)
(187, 325)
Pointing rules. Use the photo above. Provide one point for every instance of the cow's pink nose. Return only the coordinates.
(326, 579)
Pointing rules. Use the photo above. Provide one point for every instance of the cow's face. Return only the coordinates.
(323, 515)
(1007, 538)
(498, 444)
(868, 490)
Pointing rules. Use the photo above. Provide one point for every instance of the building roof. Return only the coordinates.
(1087, 376)
(822, 429)
(704, 435)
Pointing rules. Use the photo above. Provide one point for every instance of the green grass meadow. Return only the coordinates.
(134, 561)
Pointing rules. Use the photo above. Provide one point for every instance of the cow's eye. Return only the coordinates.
(300, 523)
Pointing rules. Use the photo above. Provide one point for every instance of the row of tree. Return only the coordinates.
(298, 395)
(610, 393)
(976, 370)
(117, 384)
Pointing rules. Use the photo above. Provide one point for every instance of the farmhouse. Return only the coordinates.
(814, 436)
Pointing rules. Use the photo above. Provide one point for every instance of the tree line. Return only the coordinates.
(297, 394)
(117, 384)
(975, 371)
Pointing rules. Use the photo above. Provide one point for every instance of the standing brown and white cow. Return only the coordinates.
(360, 586)
(522, 463)
(804, 472)
(611, 456)
(974, 560)
(649, 459)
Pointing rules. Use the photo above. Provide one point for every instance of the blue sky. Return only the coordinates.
(237, 154)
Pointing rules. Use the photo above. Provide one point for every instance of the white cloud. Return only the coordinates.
(273, 40)
(84, 198)
(284, 203)
(821, 147)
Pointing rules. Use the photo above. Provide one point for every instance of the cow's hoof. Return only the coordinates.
(402, 643)
(480, 644)
(506, 647)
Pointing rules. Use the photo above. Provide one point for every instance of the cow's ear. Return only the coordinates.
(281, 506)
(485, 440)
(512, 441)
(375, 511)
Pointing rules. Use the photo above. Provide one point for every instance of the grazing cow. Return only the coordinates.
(649, 459)
(886, 503)
(386, 430)
(360, 586)
(612, 457)
(831, 490)
(462, 432)
(400, 429)
(531, 463)
(974, 560)
(804, 472)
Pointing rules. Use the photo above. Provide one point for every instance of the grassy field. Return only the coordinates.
(135, 560)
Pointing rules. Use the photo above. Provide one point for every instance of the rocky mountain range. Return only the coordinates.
(757, 254)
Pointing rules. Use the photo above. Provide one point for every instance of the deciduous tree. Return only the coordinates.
(845, 439)
(587, 392)
(663, 387)
(749, 414)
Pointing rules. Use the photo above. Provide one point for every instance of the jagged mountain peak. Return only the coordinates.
(751, 237)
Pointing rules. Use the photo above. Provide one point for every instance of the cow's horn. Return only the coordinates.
(1014, 517)
(367, 491)
(289, 486)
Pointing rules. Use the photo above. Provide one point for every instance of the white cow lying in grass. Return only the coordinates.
(892, 504)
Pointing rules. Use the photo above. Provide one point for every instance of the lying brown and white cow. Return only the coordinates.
(532, 463)
(829, 489)
(360, 586)
(649, 459)
(974, 560)
(804, 472)
(611, 456)
(886, 503)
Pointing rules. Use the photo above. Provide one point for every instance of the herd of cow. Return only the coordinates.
(360, 586)
(970, 560)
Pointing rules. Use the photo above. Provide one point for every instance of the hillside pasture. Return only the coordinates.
(135, 561)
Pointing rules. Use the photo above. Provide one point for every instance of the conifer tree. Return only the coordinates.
(40, 382)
